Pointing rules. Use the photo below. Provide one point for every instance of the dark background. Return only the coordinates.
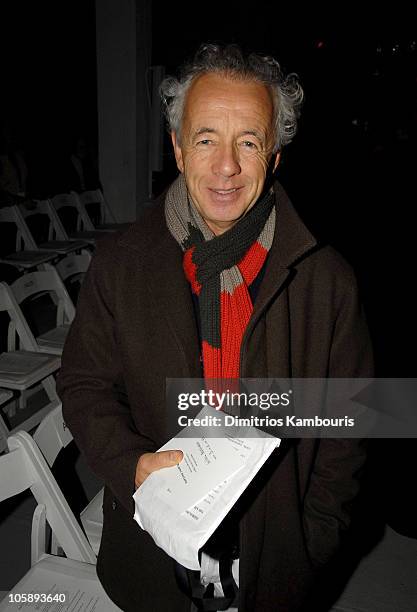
(350, 171)
(48, 89)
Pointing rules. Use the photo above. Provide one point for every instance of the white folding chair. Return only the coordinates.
(73, 577)
(73, 267)
(5, 396)
(72, 270)
(99, 212)
(41, 282)
(40, 210)
(76, 222)
(51, 436)
(57, 229)
(92, 520)
(27, 254)
(25, 369)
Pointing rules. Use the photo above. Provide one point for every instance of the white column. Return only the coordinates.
(123, 55)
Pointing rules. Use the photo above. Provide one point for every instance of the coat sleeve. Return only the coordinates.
(90, 383)
(338, 466)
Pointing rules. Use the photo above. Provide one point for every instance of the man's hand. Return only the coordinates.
(150, 462)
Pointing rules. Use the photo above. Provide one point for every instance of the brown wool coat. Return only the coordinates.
(135, 326)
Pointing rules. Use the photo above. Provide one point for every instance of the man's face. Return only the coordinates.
(226, 145)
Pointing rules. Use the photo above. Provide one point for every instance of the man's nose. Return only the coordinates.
(226, 162)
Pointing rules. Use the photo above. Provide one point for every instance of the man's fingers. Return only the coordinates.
(167, 458)
(150, 462)
(156, 461)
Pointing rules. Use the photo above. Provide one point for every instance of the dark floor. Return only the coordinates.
(385, 580)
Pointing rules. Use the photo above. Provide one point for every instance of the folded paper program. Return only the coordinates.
(180, 507)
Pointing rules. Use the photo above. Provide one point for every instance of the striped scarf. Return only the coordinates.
(220, 269)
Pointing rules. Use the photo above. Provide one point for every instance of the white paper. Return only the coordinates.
(206, 463)
(181, 529)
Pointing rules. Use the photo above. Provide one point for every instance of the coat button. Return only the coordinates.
(114, 505)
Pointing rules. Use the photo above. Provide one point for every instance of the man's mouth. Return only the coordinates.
(225, 191)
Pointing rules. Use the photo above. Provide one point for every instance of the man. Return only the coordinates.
(222, 279)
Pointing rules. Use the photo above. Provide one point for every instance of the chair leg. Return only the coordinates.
(38, 533)
(55, 547)
(50, 387)
(22, 400)
(10, 409)
(4, 430)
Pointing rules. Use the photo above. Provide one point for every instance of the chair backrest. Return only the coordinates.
(42, 221)
(24, 238)
(43, 281)
(5, 395)
(17, 324)
(23, 468)
(96, 207)
(39, 368)
(73, 216)
(72, 269)
(73, 265)
(57, 229)
(52, 435)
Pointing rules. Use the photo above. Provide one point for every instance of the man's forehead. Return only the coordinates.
(223, 84)
(211, 93)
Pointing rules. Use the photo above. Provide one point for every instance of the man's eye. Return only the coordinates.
(206, 141)
(249, 145)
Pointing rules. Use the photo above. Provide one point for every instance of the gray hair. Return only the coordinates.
(286, 90)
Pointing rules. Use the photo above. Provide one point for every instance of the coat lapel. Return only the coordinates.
(152, 243)
(171, 291)
(292, 241)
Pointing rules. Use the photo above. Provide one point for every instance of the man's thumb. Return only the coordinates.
(172, 457)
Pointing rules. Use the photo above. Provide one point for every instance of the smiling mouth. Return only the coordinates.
(225, 191)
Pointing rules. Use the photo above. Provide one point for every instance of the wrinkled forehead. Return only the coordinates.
(213, 95)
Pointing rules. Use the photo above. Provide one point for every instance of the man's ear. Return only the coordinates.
(177, 152)
(275, 161)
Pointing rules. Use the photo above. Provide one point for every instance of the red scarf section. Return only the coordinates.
(235, 312)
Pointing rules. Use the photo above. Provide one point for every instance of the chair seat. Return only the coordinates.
(113, 227)
(21, 369)
(29, 259)
(59, 575)
(105, 228)
(92, 520)
(90, 236)
(64, 246)
(54, 337)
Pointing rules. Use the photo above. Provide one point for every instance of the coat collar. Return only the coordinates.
(161, 257)
(292, 239)
(291, 242)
